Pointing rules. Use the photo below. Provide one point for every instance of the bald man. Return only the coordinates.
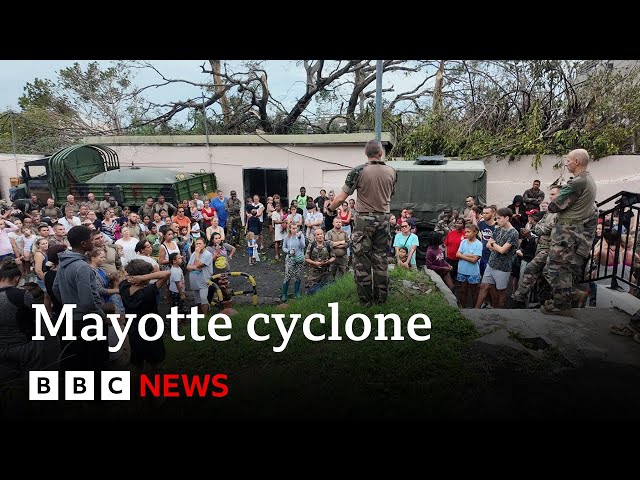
(571, 239)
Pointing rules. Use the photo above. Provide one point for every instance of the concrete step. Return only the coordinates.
(583, 337)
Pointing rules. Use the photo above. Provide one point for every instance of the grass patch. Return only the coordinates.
(336, 378)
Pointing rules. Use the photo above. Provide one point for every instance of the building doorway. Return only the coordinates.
(265, 182)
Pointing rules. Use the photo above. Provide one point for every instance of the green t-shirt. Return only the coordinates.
(154, 240)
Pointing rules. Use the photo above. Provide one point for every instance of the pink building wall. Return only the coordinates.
(329, 164)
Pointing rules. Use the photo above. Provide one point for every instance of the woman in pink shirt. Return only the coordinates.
(6, 250)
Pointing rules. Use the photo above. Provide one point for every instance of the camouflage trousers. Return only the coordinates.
(570, 248)
(233, 223)
(369, 246)
(532, 273)
(339, 267)
(317, 275)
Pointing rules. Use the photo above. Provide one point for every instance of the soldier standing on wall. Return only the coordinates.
(375, 182)
(571, 238)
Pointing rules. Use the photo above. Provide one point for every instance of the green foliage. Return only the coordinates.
(368, 378)
(541, 116)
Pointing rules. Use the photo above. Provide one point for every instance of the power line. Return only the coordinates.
(302, 154)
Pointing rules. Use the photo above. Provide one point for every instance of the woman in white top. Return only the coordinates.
(279, 231)
(128, 245)
(143, 252)
(167, 247)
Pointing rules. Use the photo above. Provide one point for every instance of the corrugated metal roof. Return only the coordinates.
(138, 175)
(451, 166)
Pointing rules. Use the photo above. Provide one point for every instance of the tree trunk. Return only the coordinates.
(361, 97)
(217, 81)
(437, 89)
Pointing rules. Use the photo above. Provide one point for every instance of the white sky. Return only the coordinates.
(286, 79)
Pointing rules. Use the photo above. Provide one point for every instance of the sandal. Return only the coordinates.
(625, 330)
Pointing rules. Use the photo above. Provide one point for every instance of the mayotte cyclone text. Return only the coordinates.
(94, 328)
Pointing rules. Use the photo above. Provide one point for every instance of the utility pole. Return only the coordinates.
(206, 132)
(379, 100)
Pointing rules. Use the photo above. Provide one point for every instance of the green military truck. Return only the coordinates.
(431, 184)
(80, 169)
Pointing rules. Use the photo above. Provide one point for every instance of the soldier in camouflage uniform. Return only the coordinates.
(233, 219)
(575, 206)
(534, 268)
(375, 182)
(339, 243)
(319, 256)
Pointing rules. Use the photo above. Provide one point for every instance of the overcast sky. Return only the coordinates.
(286, 79)
(14, 75)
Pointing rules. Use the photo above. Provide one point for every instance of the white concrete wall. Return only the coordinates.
(8, 169)
(228, 162)
(506, 180)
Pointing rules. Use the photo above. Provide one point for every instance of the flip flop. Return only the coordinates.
(624, 329)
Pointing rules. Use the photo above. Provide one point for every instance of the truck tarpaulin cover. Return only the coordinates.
(428, 189)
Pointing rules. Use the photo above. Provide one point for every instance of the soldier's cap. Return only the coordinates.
(532, 211)
(43, 224)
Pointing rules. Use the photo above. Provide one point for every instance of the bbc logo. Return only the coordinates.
(80, 385)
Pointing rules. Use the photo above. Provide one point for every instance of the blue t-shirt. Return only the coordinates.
(220, 207)
(466, 248)
(486, 231)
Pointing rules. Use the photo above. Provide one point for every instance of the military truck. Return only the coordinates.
(430, 184)
(81, 169)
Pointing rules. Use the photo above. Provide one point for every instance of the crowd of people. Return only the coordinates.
(108, 258)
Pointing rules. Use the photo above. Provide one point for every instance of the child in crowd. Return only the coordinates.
(114, 282)
(469, 254)
(254, 224)
(176, 282)
(116, 359)
(435, 258)
(252, 246)
(403, 253)
(119, 251)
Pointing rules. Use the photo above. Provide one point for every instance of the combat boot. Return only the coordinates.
(517, 302)
(552, 310)
(579, 298)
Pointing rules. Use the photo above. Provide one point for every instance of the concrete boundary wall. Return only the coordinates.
(318, 166)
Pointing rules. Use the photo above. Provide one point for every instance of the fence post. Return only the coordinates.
(616, 254)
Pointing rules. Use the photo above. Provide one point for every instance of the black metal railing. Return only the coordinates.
(615, 253)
